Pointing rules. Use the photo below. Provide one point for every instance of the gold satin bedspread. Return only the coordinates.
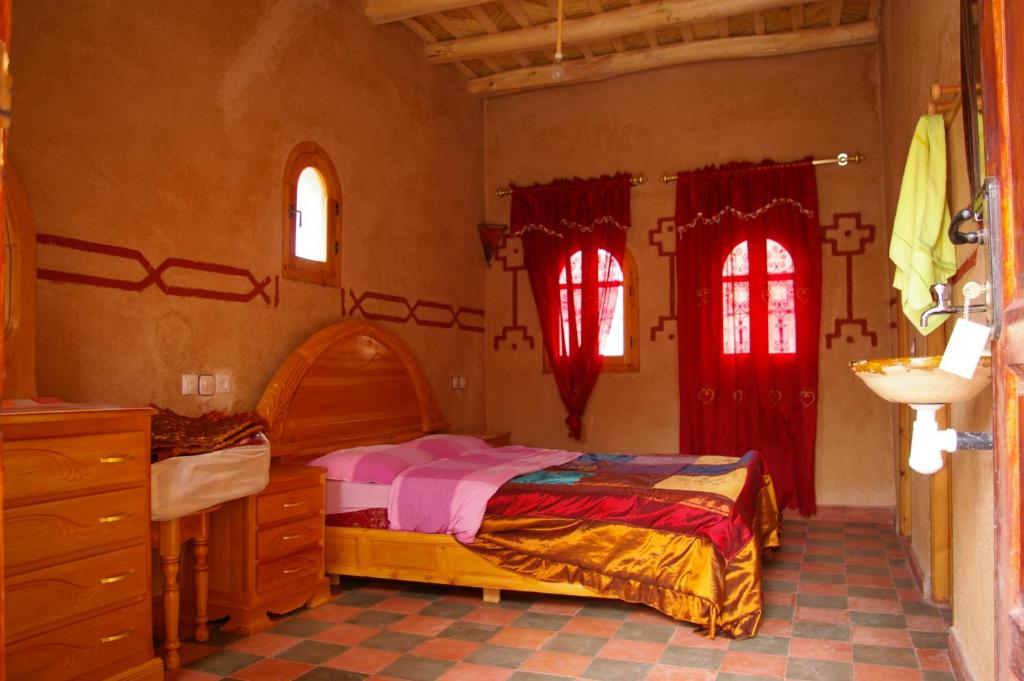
(694, 556)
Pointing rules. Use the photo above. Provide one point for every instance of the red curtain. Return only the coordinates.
(557, 221)
(748, 253)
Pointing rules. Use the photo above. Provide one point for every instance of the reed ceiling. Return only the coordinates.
(505, 46)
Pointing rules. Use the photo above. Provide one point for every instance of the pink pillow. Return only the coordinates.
(443, 445)
(382, 463)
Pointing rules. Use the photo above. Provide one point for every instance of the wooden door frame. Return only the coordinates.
(940, 484)
(1002, 92)
(5, 122)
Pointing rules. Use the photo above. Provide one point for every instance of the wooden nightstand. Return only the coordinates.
(267, 550)
(494, 439)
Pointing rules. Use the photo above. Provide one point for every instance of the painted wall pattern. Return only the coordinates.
(371, 305)
(387, 307)
(510, 254)
(847, 237)
(663, 237)
(156, 276)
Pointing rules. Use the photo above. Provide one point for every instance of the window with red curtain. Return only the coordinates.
(780, 311)
(574, 240)
(609, 278)
(748, 254)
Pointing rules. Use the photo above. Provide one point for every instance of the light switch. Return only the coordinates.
(207, 385)
(223, 383)
(462, 382)
(189, 384)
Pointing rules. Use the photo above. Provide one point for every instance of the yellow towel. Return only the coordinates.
(920, 249)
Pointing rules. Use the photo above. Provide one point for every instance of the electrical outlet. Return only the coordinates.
(207, 385)
(223, 383)
(189, 384)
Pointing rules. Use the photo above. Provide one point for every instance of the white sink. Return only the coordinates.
(919, 380)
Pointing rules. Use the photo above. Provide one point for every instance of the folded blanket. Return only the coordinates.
(177, 435)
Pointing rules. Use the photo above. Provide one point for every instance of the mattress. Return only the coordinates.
(342, 496)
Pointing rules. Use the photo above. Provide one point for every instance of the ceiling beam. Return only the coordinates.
(417, 28)
(607, 66)
(603, 26)
(386, 11)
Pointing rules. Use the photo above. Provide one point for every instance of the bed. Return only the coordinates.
(354, 384)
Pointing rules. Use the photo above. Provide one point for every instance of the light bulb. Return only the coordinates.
(557, 72)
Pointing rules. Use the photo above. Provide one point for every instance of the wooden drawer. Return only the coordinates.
(70, 652)
(308, 565)
(287, 505)
(46, 534)
(73, 465)
(284, 539)
(44, 596)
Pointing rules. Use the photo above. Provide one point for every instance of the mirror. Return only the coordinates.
(19, 350)
(970, 91)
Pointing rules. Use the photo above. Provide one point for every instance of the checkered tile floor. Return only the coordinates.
(841, 605)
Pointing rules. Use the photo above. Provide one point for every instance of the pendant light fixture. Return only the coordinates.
(556, 73)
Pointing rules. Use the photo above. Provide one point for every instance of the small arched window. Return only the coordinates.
(312, 217)
(779, 312)
(618, 331)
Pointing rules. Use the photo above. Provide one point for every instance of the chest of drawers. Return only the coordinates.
(267, 550)
(76, 544)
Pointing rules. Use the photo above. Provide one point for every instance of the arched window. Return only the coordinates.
(618, 337)
(779, 313)
(312, 217)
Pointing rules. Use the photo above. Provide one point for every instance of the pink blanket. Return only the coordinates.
(449, 496)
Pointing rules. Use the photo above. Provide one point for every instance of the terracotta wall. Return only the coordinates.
(164, 127)
(682, 118)
(911, 62)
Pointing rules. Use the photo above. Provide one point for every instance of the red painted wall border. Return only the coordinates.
(154, 275)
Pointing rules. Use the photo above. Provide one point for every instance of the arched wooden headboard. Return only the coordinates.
(348, 384)
(20, 319)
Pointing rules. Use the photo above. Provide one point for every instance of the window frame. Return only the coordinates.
(764, 312)
(311, 155)
(629, 361)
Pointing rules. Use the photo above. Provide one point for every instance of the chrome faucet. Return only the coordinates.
(940, 294)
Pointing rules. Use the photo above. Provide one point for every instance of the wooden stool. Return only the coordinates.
(168, 536)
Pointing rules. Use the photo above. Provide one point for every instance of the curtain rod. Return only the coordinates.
(635, 181)
(842, 160)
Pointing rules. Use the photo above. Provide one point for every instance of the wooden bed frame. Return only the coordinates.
(354, 384)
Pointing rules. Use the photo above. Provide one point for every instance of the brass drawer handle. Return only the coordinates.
(289, 537)
(116, 459)
(114, 518)
(293, 504)
(113, 579)
(291, 571)
(117, 637)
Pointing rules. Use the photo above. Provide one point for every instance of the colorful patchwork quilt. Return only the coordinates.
(683, 534)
